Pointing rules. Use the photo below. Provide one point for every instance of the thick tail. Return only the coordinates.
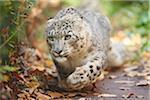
(118, 54)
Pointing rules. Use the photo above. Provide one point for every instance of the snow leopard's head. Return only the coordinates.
(67, 35)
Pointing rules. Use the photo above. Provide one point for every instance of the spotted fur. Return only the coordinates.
(78, 41)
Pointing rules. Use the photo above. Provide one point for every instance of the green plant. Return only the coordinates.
(12, 26)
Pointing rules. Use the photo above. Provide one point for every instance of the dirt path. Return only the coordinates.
(118, 86)
(123, 87)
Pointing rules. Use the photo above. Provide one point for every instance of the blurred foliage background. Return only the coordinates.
(19, 19)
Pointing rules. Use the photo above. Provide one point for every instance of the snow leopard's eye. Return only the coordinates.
(51, 38)
(67, 37)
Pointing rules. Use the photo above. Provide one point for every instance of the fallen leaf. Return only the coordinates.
(76, 94)
(143, 83)
(38, 67)
(82, 99)
(41, 96)
(32, 84)
(107, 95)
(140, 96)
(6, 78)
(124, 88)
(48, 63)
(24, 94)
(128, 95)
(55, 95)
(132, 73)
(96, 94)
(147, 78)
(112, 77)
(70, 95)
(128, 69)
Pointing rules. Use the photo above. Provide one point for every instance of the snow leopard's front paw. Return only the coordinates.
(78, 79)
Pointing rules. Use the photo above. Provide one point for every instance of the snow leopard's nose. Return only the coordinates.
(58, 51)
(58, 47)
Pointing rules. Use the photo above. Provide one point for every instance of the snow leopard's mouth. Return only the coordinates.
(60, 55)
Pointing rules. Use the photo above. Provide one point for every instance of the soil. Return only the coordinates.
(123, 91)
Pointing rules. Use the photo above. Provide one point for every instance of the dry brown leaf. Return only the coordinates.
(71, 95)
(55, 95)
(24, 94)
(41, 96)
(6, 78)
(96, 94)
(49, 63)
(40, 68)
(32, 84)
(75, 94)
(21, 95)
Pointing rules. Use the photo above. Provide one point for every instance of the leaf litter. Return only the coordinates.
(35, 79)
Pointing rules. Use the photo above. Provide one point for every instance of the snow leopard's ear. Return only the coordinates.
(49, 22)
(68, 12)
(65, 12)
(48, 25)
